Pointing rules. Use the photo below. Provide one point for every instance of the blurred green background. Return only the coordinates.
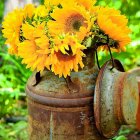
(13, 75)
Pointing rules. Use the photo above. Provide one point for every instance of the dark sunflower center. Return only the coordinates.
(76, 25)
(64, 57)
(69, 51)
(74, 22)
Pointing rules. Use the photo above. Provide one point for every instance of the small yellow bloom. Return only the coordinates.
(62, 44)
(49, 3)
(41, 11)
(12, 26)
(85, 3)
(11, 29)
(54, 3)
(35, 50)
(31, 32)
(28, 31)
(40, 29)
(66, 55)
(29, 10)
(88, 4)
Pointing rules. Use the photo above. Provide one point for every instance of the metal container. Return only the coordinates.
(116, 98)
(137, 74)
(60, 109)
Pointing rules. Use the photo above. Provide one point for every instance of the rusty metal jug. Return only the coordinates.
(60, 109)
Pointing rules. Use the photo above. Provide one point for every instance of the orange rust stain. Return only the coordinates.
(138, 113)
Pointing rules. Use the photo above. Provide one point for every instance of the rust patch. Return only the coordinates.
(76, 123)
(115, 100)
(56, 113)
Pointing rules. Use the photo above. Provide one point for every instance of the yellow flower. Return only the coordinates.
(29, 32)
(54, 3)
(63, 42)
(11, 29)
(40, 29)
(41, 11)
(85, 3)
(88, 4)
(112, 23)
(66, 55)
(70, 19)
(49, 3)
(35, 50)
(29, 10)
(12, 24)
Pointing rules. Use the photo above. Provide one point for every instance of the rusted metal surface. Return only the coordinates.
(57, 123)
(137, 74)
(116, 99)
(56, 112)
(64, 109)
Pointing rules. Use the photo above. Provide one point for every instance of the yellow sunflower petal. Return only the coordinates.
(86, 3)
(28, 31)
(70, 20)
(41, 11)
(11, 29)
(29, 10)
(12, 26)
(64, 61)
(114, 25)
(37, 48)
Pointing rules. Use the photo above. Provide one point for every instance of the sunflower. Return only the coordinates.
(49, 3)
(54, 3)
(88, 4)
(72, 19)
(11, 29)
(113, 24)
(37, 48)
(66, 55)
(30, 32)
(12, 26)
(29, 10)
(85, 3)
(41, 11)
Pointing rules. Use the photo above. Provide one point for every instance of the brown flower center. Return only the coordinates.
(64, 57)
(74, 22)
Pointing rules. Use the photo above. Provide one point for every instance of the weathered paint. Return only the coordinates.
(116, 99)
(137, 74)
(57, 112)
(62, 109)
(51, 126)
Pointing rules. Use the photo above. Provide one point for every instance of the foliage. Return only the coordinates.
(41, 1)
(121, 138)
(1, 9)
(12, 70)
(13, 77)
(12, 131)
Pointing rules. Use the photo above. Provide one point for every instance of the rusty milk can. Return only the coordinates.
(62, 109)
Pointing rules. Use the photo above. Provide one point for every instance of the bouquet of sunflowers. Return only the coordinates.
(55, 35)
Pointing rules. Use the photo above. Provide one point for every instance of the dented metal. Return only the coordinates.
(57, 112)
(62, 109)
(116, 99)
